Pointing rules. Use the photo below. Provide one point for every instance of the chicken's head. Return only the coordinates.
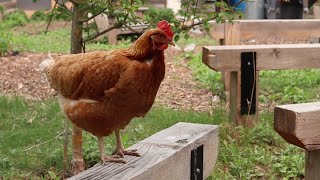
(162, 38)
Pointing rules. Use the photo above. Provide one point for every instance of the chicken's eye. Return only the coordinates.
(160, 36)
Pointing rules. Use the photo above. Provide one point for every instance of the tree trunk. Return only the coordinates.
(76, 31)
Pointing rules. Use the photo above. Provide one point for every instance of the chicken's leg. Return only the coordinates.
(77, 162)
(104, 157)
(120, 149)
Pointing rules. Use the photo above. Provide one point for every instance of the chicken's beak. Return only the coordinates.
(171, 43)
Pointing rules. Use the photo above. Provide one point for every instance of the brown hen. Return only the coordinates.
(102, 91)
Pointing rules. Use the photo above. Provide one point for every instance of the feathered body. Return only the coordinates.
(103, 90)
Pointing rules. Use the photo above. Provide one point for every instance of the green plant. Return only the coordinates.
(1, 9)
(59, 13)
(154, 15)
(5, 42)
(256, 153)
(40, 16)
(289, 86)
(16, 18)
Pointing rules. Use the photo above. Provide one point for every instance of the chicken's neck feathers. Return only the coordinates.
(143, 48)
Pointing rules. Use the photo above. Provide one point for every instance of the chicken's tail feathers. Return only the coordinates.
(47, 62)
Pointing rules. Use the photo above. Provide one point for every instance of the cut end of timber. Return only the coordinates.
(299, 124)
(165, 155)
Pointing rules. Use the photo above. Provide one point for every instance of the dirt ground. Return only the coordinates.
(20, 75)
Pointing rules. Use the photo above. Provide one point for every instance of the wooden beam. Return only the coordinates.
(299, 124)
(165, 155)
(264, 29)
(269, 57)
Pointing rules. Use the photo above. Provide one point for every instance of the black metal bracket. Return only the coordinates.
(248, 83)
(196, 170)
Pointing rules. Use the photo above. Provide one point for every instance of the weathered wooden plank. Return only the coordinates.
(312, 165)
(165, 155)
(276, 56)
(299, 124)
(231, 80)
(264, 29)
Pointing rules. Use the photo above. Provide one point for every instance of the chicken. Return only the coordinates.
(101, 91)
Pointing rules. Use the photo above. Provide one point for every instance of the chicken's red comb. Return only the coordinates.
(165, 26)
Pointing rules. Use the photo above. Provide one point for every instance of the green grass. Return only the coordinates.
(198, 40)
(257, 153)
(243, 153)
(17, 135)
(290, 86)
(57, 41)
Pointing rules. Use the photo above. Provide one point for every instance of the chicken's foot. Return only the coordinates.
(104, 157)
(120, 148)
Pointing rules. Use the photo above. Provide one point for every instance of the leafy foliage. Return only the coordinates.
(59, 13)
(5, 42)
(257, 153)
(289, 86)
(154, 15)
(40, 16)
(16, 18)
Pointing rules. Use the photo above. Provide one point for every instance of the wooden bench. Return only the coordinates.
(276, 31)
(299, 124)
(244, 30)
(103, 22)
(181, 152)
(245, 61)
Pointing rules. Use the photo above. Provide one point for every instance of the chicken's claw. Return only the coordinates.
(77, 166)
(122, 152)
(113, 158)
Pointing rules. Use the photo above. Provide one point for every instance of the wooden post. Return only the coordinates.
(183, 151)
(299, 124)
(232, 80)
(312, 165)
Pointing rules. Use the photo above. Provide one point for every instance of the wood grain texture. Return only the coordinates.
(299, 124)
(269, 57)
(165, 155)
(264, 29)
